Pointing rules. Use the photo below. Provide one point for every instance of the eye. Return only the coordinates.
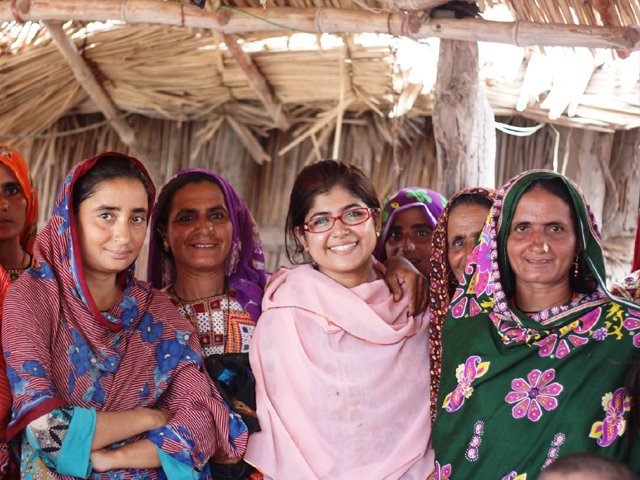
(424, 233)
(105, 216)
(12, 190)
(218, 216)
(320, 222)
(184, 218)
(520, 228)
(457, 243)
(138, 219)
(556, 228)
(395, 235)
(356, 214)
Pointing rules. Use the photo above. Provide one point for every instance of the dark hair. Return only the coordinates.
(165, 199)
(105, 169)
(584, 282)
(606, 468)
(316, 179)
(470, 199)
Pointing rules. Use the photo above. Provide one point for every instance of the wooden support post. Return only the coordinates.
(621, 204)
(463, 122)
(593, 171)
(231, 20)
(88, 81)
(258, 82)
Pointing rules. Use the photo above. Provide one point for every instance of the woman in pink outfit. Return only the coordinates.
(342, 371)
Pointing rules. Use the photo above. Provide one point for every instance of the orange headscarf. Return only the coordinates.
(11, 158)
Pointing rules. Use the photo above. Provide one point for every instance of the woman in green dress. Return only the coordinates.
(535, 348)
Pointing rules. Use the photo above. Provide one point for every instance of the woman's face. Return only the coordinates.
(344, 250)
(463, 229)
(410, 236)
(199, 230)
(112, 226)
(541, 217)
(13, 205)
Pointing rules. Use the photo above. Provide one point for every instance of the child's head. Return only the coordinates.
(587, 466)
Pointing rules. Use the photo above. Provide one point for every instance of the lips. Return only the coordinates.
(119, 254)
(343, 248)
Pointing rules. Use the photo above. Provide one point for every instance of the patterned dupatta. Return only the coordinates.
(244, 269)
(140, 353)
(442, 285)
(516, 391)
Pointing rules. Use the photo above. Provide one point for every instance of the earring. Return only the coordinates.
(576, 266)
(165, 246)
(306, 248)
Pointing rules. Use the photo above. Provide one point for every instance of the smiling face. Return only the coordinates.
(542, 217)
(13, 205)
(344, 252)
(111, 226)
(199, 231)
(410, 236)
(463, 229)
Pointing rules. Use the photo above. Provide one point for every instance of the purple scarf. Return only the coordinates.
(244, 269)
(431, 203)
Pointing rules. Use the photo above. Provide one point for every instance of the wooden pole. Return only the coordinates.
(463, 122)
(258, 82)
(88, 81)
(323, 20)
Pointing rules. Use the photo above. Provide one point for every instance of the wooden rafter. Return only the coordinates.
(257, 80)
(90, 84)
(323, 20)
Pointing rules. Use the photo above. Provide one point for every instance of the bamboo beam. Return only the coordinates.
(323, 20)
(258, 82)
(88, 81)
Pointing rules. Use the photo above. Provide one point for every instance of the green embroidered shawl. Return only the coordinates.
(519, 391)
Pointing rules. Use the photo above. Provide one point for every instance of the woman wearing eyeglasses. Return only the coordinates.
(341, 370)
(409, 216)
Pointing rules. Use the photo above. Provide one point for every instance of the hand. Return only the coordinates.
(102, 460)
(156, 417)
(401, 271)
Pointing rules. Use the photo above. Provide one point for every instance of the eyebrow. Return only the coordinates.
(344, 209)
(11, 184)
(109, 208)
(195, 210)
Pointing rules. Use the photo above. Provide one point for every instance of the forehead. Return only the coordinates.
(110, 192)
(467, 217)
(410, 217)
(334, 200)
(198, 195)
(6, 174)
(539, 205)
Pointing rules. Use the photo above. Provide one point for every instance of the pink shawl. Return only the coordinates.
(342, 380)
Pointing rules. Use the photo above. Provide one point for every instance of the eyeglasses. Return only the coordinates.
(353, 217)
(415, 235)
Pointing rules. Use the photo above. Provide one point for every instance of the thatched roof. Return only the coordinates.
(185, 73)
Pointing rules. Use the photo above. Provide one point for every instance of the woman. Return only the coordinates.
(206, 255)
(18, 224)
(409, 216)
(454, 237)
(341, 370)
(544, 373)
(109, 380)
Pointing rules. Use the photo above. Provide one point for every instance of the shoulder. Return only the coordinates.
(162, 308)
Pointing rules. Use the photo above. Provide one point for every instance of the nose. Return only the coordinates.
(4, 202)
(340, 228)
(538, 240)
(407, 244)
(205, 224)
(122, 231)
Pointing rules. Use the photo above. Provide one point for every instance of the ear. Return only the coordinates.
(300, 235)
(377, 220)
(166, 246)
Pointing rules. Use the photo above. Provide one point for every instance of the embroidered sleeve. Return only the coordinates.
(62, 439)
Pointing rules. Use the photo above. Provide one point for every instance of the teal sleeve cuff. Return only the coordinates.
(175, 469)
(74, 458)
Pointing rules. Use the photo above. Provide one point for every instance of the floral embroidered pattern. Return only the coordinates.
(615, 405)
(557, 442)
(571, 336)
(442, 472)
(472, 450)
(632, 324)
(533, 395)
(513, 475)
(466, 373)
